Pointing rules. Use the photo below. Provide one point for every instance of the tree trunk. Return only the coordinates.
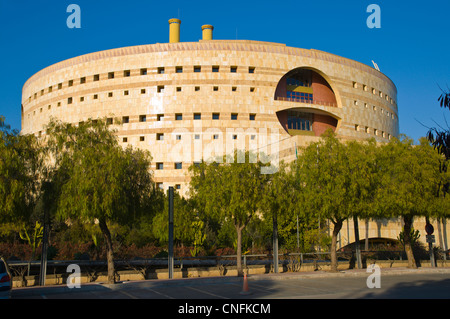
(336, 230)
(239, 250)
(408, 221)
(109, 250)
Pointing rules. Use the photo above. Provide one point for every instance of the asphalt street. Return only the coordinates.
(398, 283)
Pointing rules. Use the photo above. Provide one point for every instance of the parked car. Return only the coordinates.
(5, 280)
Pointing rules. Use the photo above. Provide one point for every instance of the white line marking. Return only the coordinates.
(159, 293)
(206, 292)
(127, 294)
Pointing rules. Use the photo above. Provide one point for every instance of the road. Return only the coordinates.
(351, 284)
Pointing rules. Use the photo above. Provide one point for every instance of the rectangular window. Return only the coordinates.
(160, 136)
(215, 68)
(126, 73)
(160, 185)
(197, 136)
(178, 117)
(141, 138)
(111, 75)
(96, 77)
(160, 88)
(110, 94)
(69, 100)
(125, 119)
(178, 137)
(252, 117)
(125, 139)
(215, 116)
(159, 117)
(59, 86)
(233, 69)
(142, 91)
(82, 80)
(177, 186)
(197, 116)
(178, 88)
(82, 99)
(233, 89)
(160, 70)
(197, 88)
(159, 166)
(234, 116)
(126, 92)
(178, 165)
(215, 136)
(179, 69)
(50, 89)
(197, 69)
(215, 88)
(109, 121)
(95, 96)
(70, 82)
(142, 118)
(234, 137)
(143, 71)
(251, 69)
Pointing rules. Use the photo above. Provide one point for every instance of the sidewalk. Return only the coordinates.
(348, 272)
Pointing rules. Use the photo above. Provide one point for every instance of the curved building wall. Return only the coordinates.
(191, 100)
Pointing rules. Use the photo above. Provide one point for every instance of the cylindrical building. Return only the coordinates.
(188, 101)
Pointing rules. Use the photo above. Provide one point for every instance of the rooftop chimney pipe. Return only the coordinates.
(207, 32)
(174, 30)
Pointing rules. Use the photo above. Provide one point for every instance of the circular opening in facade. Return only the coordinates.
(312, 93)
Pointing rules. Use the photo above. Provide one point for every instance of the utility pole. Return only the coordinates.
(275, 243)
(430, 240)
(43, 267)
(170, 257)
(357, 248)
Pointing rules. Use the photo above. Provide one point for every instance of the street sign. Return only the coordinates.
(430, 239)
(429, 229)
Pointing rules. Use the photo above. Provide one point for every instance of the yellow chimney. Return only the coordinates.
(174, 30)
(207, 32)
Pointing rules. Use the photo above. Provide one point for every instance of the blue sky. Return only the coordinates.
(412, 46)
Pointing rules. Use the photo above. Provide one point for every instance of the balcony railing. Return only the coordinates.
(307, 101)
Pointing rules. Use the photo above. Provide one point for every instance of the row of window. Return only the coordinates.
(374, 108)
(160, 89)
(299, 96)
(375, 131)
(160, 137)
(179, 117)
(127, 73)
(374, 91)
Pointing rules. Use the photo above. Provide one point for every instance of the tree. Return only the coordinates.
(407, 185)
(440, 138)
(184, 214)
(20, 167)
(230, 190)
(96, 180)
(279, 198)
(337, 181)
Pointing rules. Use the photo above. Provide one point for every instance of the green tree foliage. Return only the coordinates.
(230, 190)
(184, 214)
(96, 180)
(337, 180)
(20, 166)
(407, 186)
